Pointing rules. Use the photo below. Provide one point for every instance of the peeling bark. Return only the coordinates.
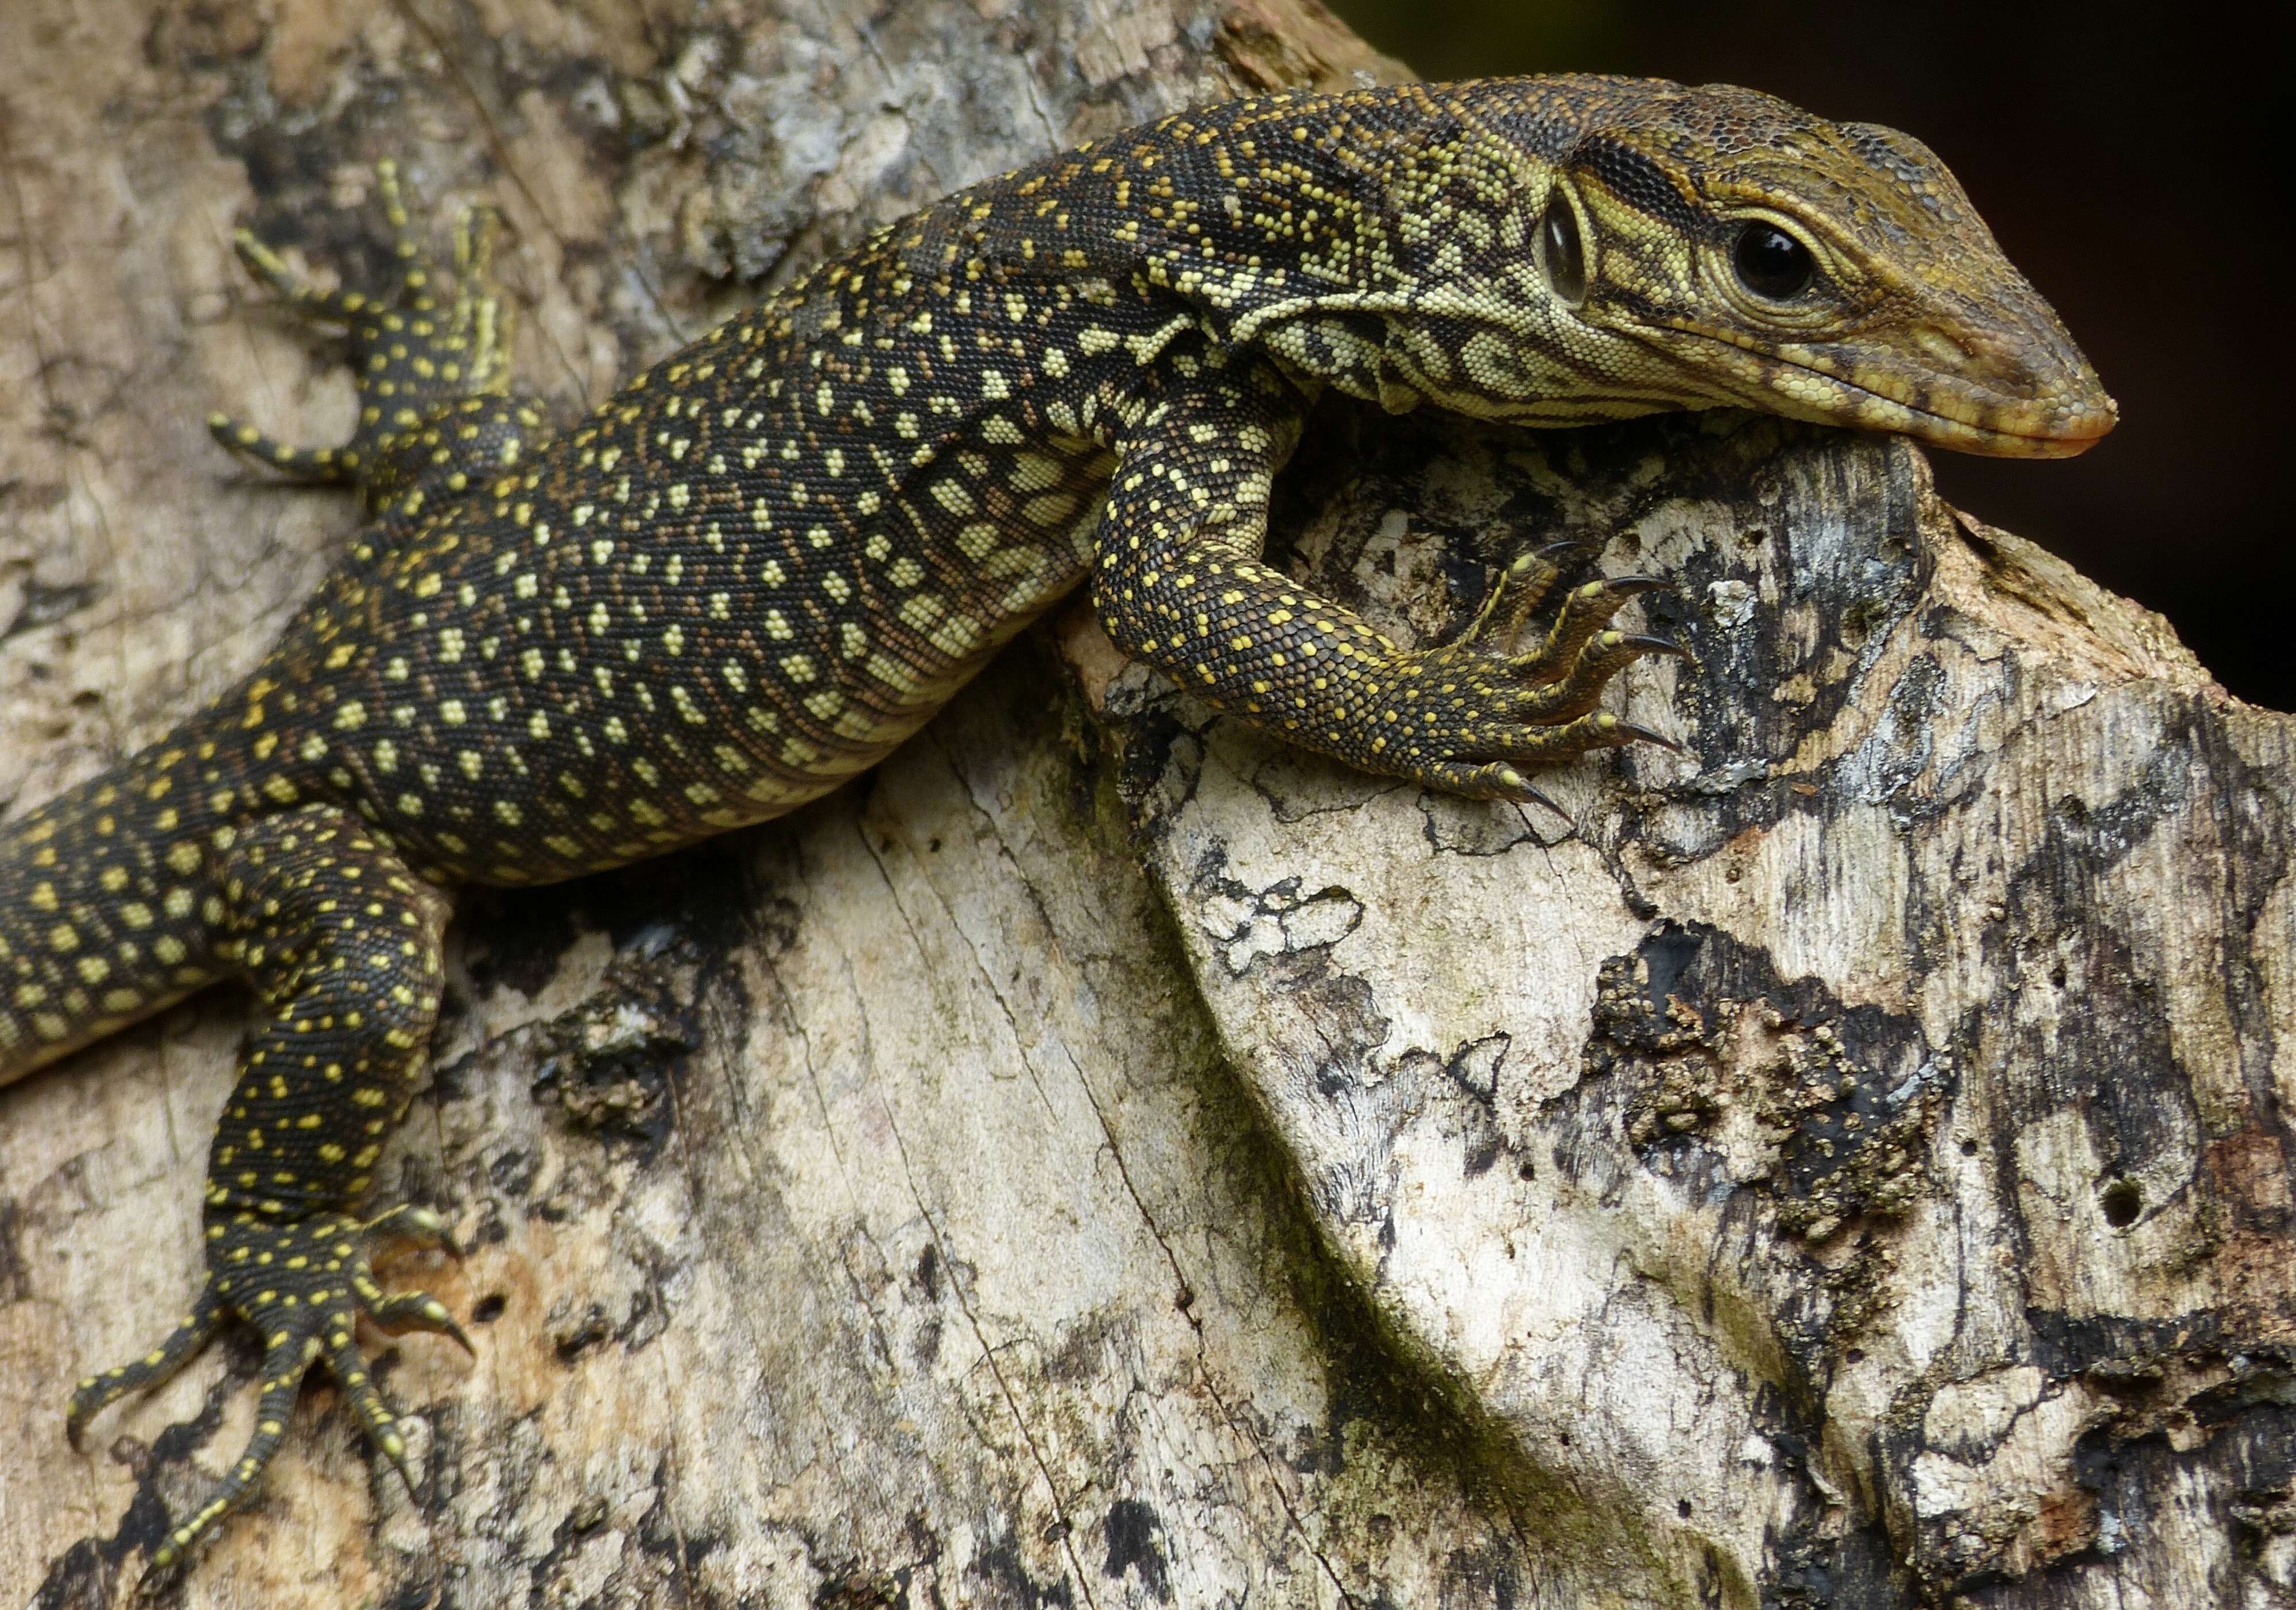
(1104, 1157)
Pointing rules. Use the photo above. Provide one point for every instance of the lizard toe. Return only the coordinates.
(302, 1285)
(1587, 611)
(191, 1334)
(411, 1224)
(285, 1356)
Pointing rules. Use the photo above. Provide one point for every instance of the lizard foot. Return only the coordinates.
(1471, 712)
(302, 1284)
(433, 380)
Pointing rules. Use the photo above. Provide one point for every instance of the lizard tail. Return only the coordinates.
(108, 909)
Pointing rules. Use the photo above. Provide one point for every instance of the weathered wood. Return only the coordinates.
(1849, 1165)
(1104, 1157)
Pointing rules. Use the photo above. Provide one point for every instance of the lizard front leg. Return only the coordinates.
(341, 944)
(437, 410)
(1177, 581)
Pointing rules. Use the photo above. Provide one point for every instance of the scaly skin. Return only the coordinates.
(765, 563)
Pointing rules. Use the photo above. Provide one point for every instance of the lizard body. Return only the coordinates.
(763, 563)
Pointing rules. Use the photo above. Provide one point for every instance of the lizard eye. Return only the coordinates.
(1771, 263)
(1559, 251)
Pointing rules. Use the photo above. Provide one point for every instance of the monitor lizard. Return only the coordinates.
(763, 563)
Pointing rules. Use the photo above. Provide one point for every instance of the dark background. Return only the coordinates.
(2125, 159)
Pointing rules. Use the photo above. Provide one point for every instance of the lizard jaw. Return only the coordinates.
(2066, 420)
(1985, 427)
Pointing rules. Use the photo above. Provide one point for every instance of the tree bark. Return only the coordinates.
(1104, 1157)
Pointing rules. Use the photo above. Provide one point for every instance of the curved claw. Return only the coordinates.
(1523, 793)
(320, 306)
(1551, 698)
(1486, 780)
(1534, 709)
(418, 1312)
(411, 367)
(1630, 733)
(394, 1448)
(157, 1579)
(1587, 611)
(1521, 587)
(412, 1223)
(349, 1367)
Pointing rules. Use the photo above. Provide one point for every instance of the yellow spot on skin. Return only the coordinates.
(1052, 509)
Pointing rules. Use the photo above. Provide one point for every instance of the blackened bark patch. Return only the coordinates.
(1482, 1575)
(1854, 1570)
(517, 936)
(1283, 935)
(1000, 1566)
(15, 1279)
(1131, 1529)
(608, 1062)
(1694, 1028)
(81, 1579)
(89, 1575)
(46, 605)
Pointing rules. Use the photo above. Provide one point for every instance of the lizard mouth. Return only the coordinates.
(1991, 427)
(2065, 412)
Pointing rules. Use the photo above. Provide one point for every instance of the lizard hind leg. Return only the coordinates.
(433, 381)
(341, 944)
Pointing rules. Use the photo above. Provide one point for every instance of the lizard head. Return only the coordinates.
(1728, 248)
(1567, 250)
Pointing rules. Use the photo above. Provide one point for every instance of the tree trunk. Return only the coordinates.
(1104, 1157)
